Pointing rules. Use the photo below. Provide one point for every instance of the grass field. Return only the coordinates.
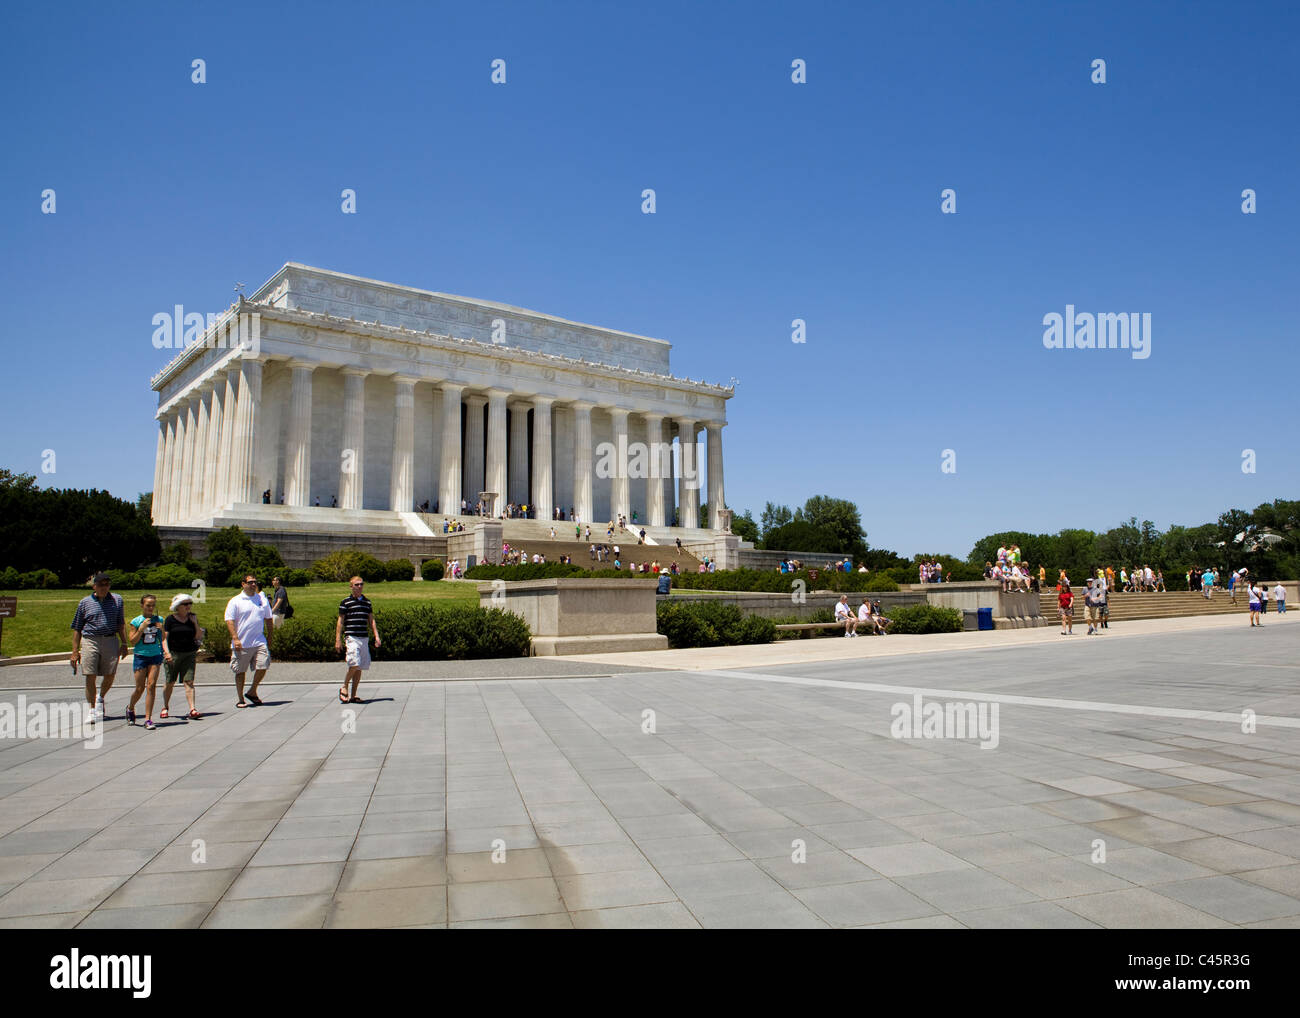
(45, 616)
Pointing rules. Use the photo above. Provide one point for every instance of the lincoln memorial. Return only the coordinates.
(326, 389)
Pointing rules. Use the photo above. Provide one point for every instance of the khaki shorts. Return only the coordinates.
(358, 652)
(99, 655)
(257, 657)
(1094, 613)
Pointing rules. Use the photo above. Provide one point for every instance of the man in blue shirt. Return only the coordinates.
(99, 623)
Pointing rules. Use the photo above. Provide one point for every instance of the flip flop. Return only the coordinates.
(241, 705)
(195, 715)
(343, 697)
(163, 715)
(356, 699)
(254, 699)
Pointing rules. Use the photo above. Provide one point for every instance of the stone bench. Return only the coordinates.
(805, 628)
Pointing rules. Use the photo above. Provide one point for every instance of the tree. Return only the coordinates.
(840, 520)
(20, 482)
(144, 505)
(774, 516)
(744, 527)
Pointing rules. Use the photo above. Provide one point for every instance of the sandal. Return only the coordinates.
(343, 696)
(356, 699)
(254, 699)
(194, 714)
(163, 715)
(241, 704)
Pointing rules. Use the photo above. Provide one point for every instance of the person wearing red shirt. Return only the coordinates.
(1066, 600)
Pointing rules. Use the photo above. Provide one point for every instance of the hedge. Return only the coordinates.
(924, 618)
(432, 569)
(710, 623)
(341, 566)
(398, 569)
(37, 579)
(429, 631)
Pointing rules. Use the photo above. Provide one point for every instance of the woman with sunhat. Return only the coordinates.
(182, 635)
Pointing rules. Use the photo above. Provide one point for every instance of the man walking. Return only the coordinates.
(247, 617)
(280, 607)
(1279, 592)
(356, 623)
(100, 623)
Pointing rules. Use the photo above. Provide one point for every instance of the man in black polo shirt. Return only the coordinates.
(356, 623)
(100, 623)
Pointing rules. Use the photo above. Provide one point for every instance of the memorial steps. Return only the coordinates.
(1131, 607)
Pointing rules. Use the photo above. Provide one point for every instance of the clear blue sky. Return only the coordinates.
(775, 201)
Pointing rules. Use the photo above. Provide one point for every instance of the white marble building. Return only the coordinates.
(384, 397)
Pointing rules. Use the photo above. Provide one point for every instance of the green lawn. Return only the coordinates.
(45, 616)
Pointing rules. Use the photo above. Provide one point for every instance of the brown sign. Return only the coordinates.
(8, 607)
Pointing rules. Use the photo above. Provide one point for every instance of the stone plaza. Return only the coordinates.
(744, 786)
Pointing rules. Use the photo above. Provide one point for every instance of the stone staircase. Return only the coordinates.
(1174, 604)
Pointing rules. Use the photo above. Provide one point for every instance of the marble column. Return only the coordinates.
(161, 477)
(620, 497)
(474, 477)
(659, 469)
(717, 494)
(352, 477)
(200, 450)
(518, 482)
(226, 462)
(688, 483)
(449, 490)
(543, 496)
(245, 434)
(582, 461)
(297, 464)
(401, 491)
(177, 503)
(212, 457)
(495, 475)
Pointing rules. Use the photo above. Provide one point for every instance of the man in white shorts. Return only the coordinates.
(248, 617)
(356, 623)
(843, 613)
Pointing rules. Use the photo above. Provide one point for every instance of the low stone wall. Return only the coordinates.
(579, 616)
(300, 550)
(776, 606)
(1010, 611)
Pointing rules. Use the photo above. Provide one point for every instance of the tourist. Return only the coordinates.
(1065, 601)
(1102, 589)
(100, 623)
(1207, 582)
(1279, 595)
(182, 635)
(280, 607)
(247, 614)
(552, 533)
(145, 635)
(266, 497)
(878, 617)
(1123, 579)
(1160, 582)
(316, 503)
(356, 622)
(679, 546)
(845, 614)
(591, 550)
(1256, 601)
(864, 613)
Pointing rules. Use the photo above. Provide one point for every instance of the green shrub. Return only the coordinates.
(165, 576)
(39, 579)
(341, 566)
(9, 578)
(179, 554)
(296, 577)
(711, 623)
(123, 579)
(546, 571)
(424, 631)
(432, 569)
(924, 618)
(398, 569)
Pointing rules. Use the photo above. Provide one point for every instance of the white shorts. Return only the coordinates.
(258, 657)
(358, 652)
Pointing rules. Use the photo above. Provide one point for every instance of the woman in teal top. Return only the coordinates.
(145, 635)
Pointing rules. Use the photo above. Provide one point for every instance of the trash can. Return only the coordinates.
(986, 618)
(665, 583)
(970, 620)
